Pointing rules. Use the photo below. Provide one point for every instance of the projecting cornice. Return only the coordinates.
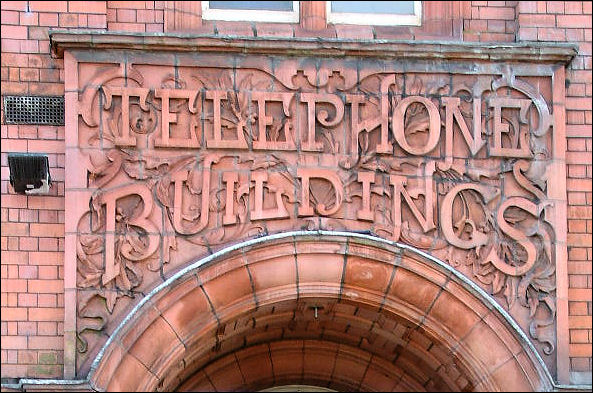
(528, 52)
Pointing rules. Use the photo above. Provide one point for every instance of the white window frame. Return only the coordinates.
(355, 18)
(251, 15)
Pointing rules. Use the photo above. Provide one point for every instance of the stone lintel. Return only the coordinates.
(530, 52)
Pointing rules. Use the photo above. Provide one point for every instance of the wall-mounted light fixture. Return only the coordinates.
(29, 173)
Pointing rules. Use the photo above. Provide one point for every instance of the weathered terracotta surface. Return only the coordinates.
(334, 333)
(182, 154)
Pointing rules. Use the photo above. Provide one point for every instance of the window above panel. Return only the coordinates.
(378, 13)
(256, 11)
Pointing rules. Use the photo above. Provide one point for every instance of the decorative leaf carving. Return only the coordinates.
(501, 263)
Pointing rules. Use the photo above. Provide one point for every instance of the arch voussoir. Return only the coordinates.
(385, 307)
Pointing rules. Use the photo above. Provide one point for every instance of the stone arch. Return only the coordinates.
(338, 310)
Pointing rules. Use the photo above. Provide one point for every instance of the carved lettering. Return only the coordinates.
(519, 140)
(124, 138)
(476, 238)
(264, 120)
(217, 141)
(179, 217)
(517, 144)
(322, 116)
(230, 178)
(366, 178)
(426, 220)
(142, 220)
(434, 125)
(356, 125)
(306, 175)
(325, 148)
(259, 213)
(384, 147)
(517, 235)
(167, 118)
(474, 142)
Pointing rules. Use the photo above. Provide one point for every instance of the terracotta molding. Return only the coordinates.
(532, 52)
(183, 15)
(70, 291)
(43, 385)
(327, 236)
(313, 15)
(559, 196)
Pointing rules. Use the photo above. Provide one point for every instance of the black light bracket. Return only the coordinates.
(29, 173)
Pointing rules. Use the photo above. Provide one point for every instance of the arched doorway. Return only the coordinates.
(334, 310)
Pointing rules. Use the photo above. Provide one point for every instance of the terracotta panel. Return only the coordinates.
(461, 293)
(174, 293)
(218, 288)
(274, 272)
(189, 314)
(529, 371)
(265, 336)
(255, 364)
(367, 274)
(225, 377)
(413, 289)
(273, 250)
(287, 359)
(453, 314)
(415, 376)
(319, 358)
(133, 332)
(155, 344)
(121, 380)
(189, 145)
(512, 376)
(351, 367)
(424, 269)
(197, 382)
(505, 334)
(485, 345)
(380, 376)
(209, 273)
(320, 268)
(373, 253)
(107, 369)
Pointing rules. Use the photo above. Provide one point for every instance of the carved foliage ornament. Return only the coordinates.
(455, 165)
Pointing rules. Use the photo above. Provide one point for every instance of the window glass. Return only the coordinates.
(254, 5)
(254, 11)
(373, 7)
(381, 13)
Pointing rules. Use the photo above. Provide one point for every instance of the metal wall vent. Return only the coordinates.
(44, 110)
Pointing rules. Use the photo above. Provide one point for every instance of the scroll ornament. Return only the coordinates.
(504, 241)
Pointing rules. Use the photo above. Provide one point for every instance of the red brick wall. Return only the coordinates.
(491, 21)
(32, 297)
(571, 21)
(137, 16)
(32, 226)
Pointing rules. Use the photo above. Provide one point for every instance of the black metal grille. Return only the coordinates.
(47, 110)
